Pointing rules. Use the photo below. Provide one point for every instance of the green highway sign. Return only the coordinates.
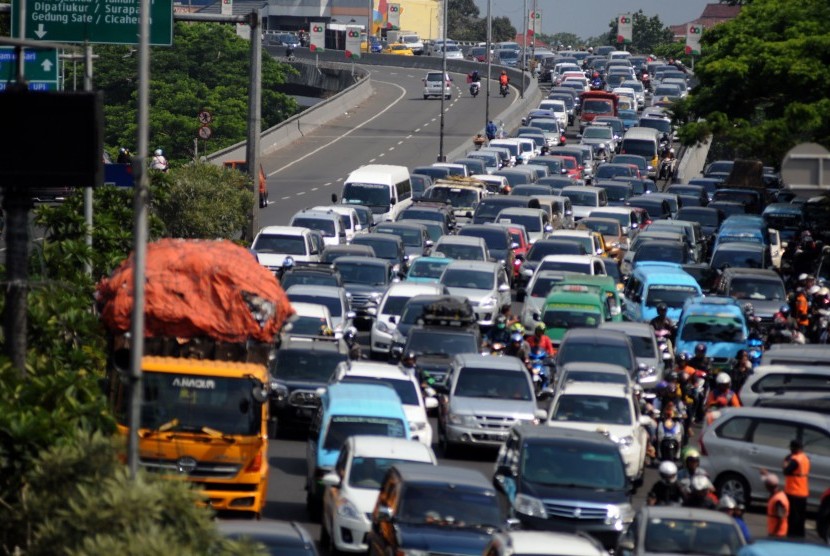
(39, 66)
(96, 21)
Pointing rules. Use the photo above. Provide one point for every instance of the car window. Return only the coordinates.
(816, 442)
(736, 429)
(789, 381)
(774, 433)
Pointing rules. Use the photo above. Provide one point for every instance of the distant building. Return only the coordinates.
(711, 16)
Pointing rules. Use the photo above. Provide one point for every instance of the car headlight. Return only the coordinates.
(624, 442)
(648, 372)
(530, 506)
(382, 326)
(347, 509)
(619, 515)
(487, 302)
(417, 425)
(463, 420)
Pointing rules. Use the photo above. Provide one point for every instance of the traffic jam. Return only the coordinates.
(638, 360)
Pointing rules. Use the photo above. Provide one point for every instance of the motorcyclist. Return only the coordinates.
(538, 340)
(700, 361)
(499, 334)
(662, 321)
(517, 347)
(691, 468)
(699, 496)
(666, 491)
(124, 156)
(722, 395)
(668, 391)
(669, 427)
(475, 77)
(504, 79)
(741, 369)
(159, 161)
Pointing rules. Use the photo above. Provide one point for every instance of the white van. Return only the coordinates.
(642, 141)
(413, 41)
(383, 188)
(619, 55)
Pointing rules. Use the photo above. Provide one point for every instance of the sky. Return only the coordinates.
(589, 18)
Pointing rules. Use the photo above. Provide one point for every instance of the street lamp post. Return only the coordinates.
(523, 60)
(487, 55)
(441, 157)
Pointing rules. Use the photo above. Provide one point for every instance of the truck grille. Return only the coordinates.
(304, 398)
(191, 467)
(568, 509)
(495, 422)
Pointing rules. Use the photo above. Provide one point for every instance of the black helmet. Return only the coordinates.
(683, 357)
(662, 308)
(671, 377)
(700, 348)
(409, 357)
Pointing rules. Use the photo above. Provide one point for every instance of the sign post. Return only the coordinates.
(40, 68)
(393, 17)
(93, 21)
(693, 33)
(624, 28)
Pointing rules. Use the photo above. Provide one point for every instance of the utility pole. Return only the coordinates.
(487, 86)
(441, 157)
(524, 48)
(88, 190)
(254, 120)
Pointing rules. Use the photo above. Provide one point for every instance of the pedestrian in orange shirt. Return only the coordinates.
(796, 486)
(778, 507)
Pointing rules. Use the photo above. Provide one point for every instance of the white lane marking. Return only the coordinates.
(408, 136)
(328, 183)
(315, 188)
(287, 197)
(339, 179)
(381, 154)
(300, 193)
(391, 148)
(371, 161)
(349, 132)
(401, 142)
(417, 130)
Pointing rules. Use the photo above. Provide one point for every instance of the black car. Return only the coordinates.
(434, 172)
(318, 275)
(435, 346)
(490, 207)
(333, 252)
(658, 209)
(386, 247)
(366, 279)
(300, 367)
(499, 242)
(280, 538)
(434, 509)
(415, 237)
(561, 479)
(419, 183)
(430, 210)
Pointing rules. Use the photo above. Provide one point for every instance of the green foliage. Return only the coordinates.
(676, 50)
(763, 78)
(464, 23)
(565, 39)
(502, 29)
(647, 33)
(205, 69)
(205, 202)
(79, 500)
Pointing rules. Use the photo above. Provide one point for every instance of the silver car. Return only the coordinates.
(650, 360)
(485, 284)
(744, 440)
(482, 398)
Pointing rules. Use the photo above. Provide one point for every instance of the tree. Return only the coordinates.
(206, 68)
(566, 39)
(762, 78)
(503, 30)
(646, 33)
(463, 22)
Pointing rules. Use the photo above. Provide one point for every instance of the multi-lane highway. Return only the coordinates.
(395, 125)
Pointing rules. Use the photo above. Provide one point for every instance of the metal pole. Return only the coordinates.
(88, 190)
(139, 236)
(524, 49)
(254, 122)
(441, 157)
(369, 28)
(18, 50)
(533, 38)
(489, 61)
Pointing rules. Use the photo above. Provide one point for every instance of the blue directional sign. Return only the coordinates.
(40, 67)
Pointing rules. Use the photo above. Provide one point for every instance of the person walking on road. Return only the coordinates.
(778, 506)
(796, 486)
(490, 130)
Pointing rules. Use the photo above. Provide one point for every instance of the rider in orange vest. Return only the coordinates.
(778, 507)
(796, 486)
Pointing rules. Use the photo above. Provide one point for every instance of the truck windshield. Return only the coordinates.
(194, 403)
(595, 106)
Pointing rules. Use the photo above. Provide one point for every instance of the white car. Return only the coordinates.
(639, 91)
(352, 488)
(348, 217)
(405, 384)
(307, 321)
(558, 108)
(437, 83)
(275, 246)
(610, 408)
(542, 543)
(326, 221)
(334, 298)
(390, 309)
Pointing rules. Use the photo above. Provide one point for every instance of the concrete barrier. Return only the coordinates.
(297, 126)
(692, 161)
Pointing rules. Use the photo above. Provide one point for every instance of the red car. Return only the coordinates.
(519, 237)
(571, 164)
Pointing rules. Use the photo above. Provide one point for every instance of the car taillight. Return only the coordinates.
(256, 463)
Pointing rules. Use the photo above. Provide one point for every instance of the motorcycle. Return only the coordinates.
(475, 86)
(669, 440)
(504, 90)
(756, 350)
(540, 366)
(665, 346)
(596, 85)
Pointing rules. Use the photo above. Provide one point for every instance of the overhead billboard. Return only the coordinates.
(317, 37)
(624, 28)
(693, 32)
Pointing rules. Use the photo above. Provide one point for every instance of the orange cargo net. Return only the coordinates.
(198, 288)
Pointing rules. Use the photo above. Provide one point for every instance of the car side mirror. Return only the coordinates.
(334, 198)
(514, 245)
(430, 403)
(385, 514)
(331, 479)
(540, 414)
(504, 288)
(645, 421)
(548, 229)
(393, 319)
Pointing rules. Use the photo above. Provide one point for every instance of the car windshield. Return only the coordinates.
(342, 427)
(495, 238)
(394, 305)
(438, 342)
(592, 409)
(334, 304)
(427, 269)
(368, 473)
(616, 192)
(643, 346)
(492, 383)
(737, 258)
(686, 536)
(458, 197)
(578, 352)
(586, 316)
(704, 328)
(659, 124)
(461, 252)
(447, 506)
(702, 217)
(284, 245)
(539, 250)
(581, 198)
(465, 278)
(670, 253)
(307, 326)
(532, 223)
(672, 296)
(543, 285)
(572, 466)
(305, 365)
(324, 225)
(308, 278)
(564, 266)
(595, 376)
(605, 228)
(383, 249)
(784, 221)
(598, 132)
(374, 196)
(411, 238)
(421, 214)
(624, 219)
(362, 273)
(754, 288)
(405, 389)
(597, 107)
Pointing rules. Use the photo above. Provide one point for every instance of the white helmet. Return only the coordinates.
(723, 378)
(668, 470)
(158, 152)
(701, 483)
(726, 502)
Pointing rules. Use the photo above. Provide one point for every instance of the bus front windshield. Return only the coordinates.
(374, 196)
